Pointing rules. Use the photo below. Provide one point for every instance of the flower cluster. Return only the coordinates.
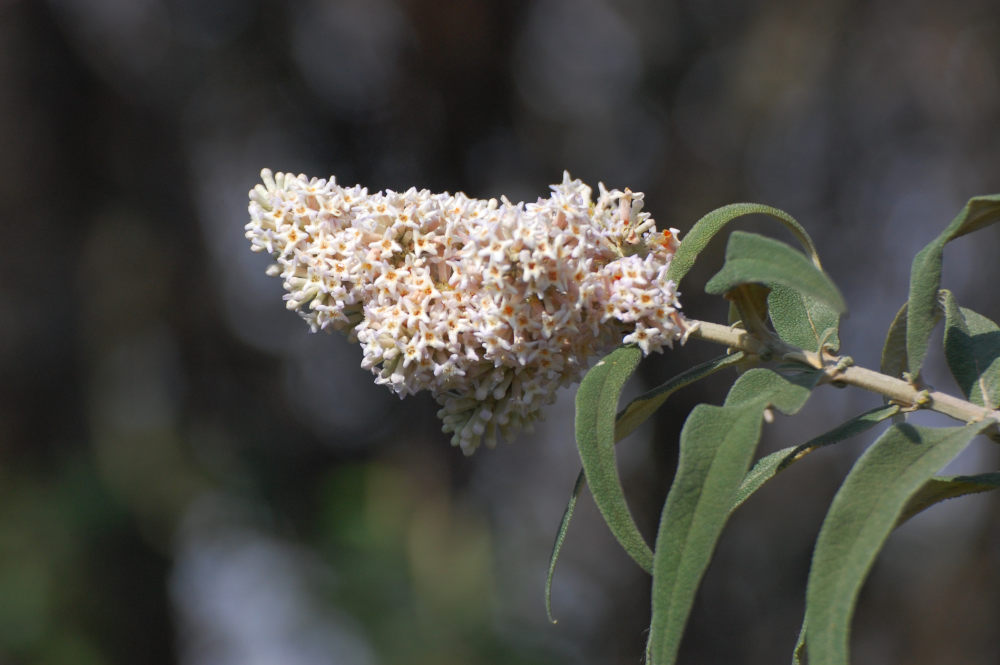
(489, 305)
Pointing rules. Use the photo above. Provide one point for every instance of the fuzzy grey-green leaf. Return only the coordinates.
(698, 237)
(787, 393)
(972, 349)
(863, 513)
(560, 538)
(717, 444)
(803, 321)
(752, 258)
(941, 488)
(643, 406)
(799, 651)
(769, 466)
(716, 447)
(633, 415)
(894, 350)
(596, 407)
(925, 275)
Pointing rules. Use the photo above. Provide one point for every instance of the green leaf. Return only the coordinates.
(925, 275)
(752, 258)
(769, 466)
(717, 444)
(972, 348)
(705, 229)
(940, 488)
(799, 652)
(894, 361)
(803, 321)
(863, 513)
(560, 538)
(643, 406)
(763, 470)
(596, 405)
(764, 387)
(633, 415)
(716, 447)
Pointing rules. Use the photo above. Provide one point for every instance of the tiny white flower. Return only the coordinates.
(489, 305)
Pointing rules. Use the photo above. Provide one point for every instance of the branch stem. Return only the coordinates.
(841, 370)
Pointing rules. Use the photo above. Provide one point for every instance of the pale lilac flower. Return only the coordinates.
(489, 305)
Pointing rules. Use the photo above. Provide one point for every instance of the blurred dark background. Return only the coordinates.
(188, 476)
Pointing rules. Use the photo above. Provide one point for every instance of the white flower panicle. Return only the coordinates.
(489, 305)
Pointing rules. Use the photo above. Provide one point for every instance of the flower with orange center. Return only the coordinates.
(489, 305)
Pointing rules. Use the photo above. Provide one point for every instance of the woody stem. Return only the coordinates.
(840, 370)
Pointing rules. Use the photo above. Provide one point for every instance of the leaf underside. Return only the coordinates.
(894, 361)
(863, 513)
(560, 538)
(642, 407)
(770, 465)
(941, 488)
(925, 276)
(972, 349)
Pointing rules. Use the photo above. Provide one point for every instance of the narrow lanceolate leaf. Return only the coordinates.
(645, 405)
(716, 446)
(802, 320)
(925, 275)
(941, 488)
(596, 406)
(972, 348)
(560, 538)
(894, 361)
(769, 466)
(752, 258)
(705, 229)
(633, 415)
(763, 470)
(863, 513)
